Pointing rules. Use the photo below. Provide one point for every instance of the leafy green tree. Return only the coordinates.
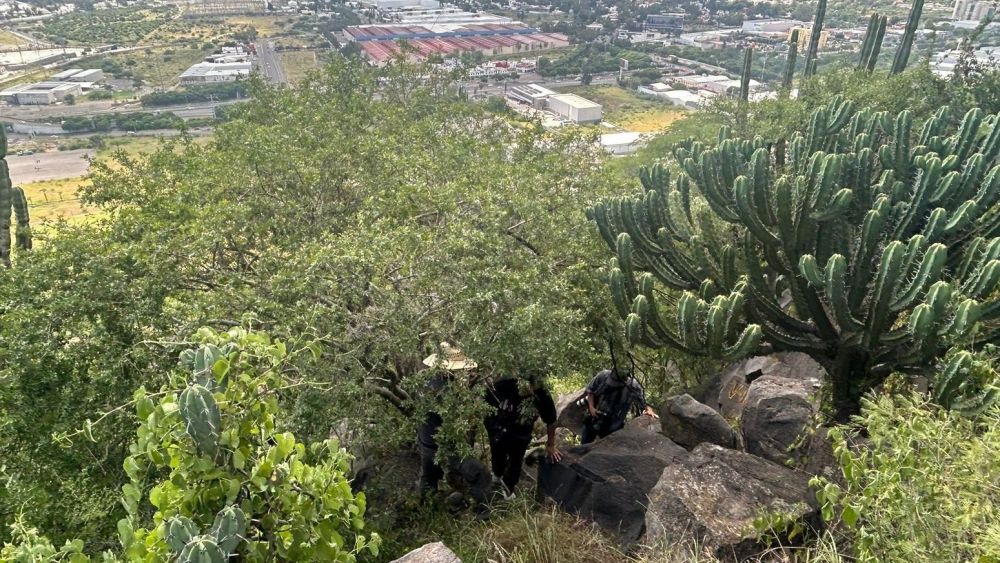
(870, 248)
(208, 443)
(413, 217)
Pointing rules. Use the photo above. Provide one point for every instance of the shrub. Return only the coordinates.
(924, 487)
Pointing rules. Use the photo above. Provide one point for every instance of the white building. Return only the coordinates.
(202, 73)
(396, 4)
(575, 108)
(622, 143)
(532, 94)
(943, 63)
(973, 9)
(771, 25)
(65, 75)
(42, 93)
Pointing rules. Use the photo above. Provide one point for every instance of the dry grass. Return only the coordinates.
(298, 63)
(8, 39)
(55, 199)
(627, 110)
(266, 26)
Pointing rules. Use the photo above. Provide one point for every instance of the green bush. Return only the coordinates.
(923, 485)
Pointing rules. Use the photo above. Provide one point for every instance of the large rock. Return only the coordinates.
(431, 553)
(728, 392)
(608, 481)
(570, 415)
(778, 415)
(713, 496)
(689, 423)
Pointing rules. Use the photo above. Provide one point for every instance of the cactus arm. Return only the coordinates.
(906, 44)
(749, 215)
(23, 232)
(817, 29)
(793, 49)
(889, 272)
(745, 76)
(834, 275)
(929, 271)
(877, 45)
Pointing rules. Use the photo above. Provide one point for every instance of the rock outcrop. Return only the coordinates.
(431, 553)
(713, 495)
(728, 391)
(608, 481)
(689, 423)
(778, 415)
(569, 414)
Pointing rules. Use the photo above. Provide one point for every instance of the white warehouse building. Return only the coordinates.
(42, 93)
(202, 73)
(575, 108)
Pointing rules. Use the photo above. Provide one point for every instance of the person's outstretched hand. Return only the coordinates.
(650, 412)
(554, 454)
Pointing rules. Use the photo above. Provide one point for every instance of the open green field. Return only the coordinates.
(54, 199)
(298, 63)
(628, 111)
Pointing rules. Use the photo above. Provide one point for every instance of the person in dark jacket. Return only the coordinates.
(516, 405)
(467, 473)
(610, 397)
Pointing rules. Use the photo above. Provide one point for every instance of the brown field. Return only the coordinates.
(8, 39)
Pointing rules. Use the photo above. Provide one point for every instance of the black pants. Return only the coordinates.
(463, 473)
(594, 428)
(507, 455)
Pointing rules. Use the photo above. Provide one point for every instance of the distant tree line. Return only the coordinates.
(140, 121)
(592, 59)
(195, 94)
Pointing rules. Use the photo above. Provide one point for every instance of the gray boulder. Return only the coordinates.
(689, 423)
(728, 392)
(608, 481)
(713, 495)
(778, 415)
(431, 553)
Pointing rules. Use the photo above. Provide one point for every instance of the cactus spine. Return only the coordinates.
(814, 34)
(11, 198)
(793, 50)
(872, 44)
(871, 248)
(903, 53)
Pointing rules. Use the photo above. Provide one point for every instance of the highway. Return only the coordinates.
(269, 63)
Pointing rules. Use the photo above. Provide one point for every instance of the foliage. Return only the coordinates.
(28, 546)
(135, 121)
(117, 25)
(919, 482)
(592, 58)
(262, 493)
(779, 249)
(196, 94)
(412, 218)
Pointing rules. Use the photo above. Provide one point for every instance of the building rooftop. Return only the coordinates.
(575, 101)
(217, 69)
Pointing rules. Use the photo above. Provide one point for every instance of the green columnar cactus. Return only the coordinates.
(745, 77)
(871, 247)
(906, 44)
(793, 50)
(202, 418)
(11, 197)
(872, 44)
(814, 34)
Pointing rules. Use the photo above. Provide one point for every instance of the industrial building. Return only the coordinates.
(381, 43)
(420, 16)
(207, 72)
(397, 4)
(770, 25)
(532, 94)
(664, 23)
(622, 143)
(575, 108)
(805, 33)
(683, 98)
(40, 94)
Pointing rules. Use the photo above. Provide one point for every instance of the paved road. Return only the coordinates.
(269, 63)
(49, 166)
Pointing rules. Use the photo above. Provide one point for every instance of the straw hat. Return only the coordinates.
(451, 358)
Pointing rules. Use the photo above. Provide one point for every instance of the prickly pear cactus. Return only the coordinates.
(229, 528)
(180, 531)
(202, 418)
(202, 549)
(873, 247)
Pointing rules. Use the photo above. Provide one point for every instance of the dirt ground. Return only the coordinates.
(48, 166)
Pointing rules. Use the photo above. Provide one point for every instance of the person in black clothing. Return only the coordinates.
(517, 404)
(467, 473)
(609, 399)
